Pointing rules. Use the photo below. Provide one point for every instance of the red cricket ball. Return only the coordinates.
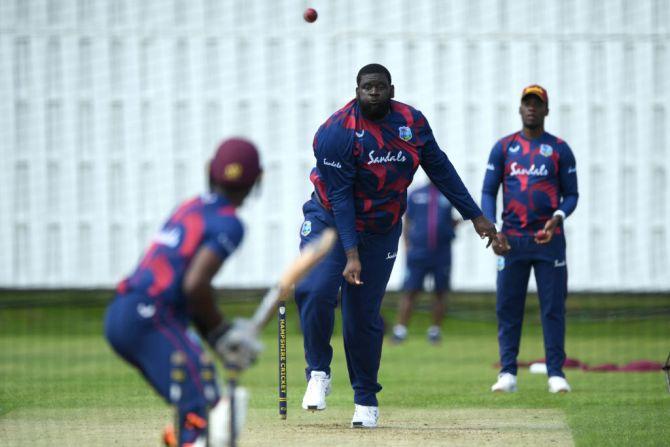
(310, 15)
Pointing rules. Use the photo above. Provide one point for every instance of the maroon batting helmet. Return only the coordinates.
(235, 165)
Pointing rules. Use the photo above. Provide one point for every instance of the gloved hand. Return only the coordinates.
(237, 344)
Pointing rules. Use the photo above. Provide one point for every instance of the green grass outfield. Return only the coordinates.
(61, 385)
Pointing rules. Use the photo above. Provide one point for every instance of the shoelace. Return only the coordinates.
(319, 382)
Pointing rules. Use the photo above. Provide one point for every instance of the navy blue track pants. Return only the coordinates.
(362, 325)
(551, 275)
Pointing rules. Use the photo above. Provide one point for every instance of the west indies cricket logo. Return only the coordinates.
(405, 133)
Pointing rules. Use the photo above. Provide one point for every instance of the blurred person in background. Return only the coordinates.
(428, 232)
(148, 321)
(539, 177)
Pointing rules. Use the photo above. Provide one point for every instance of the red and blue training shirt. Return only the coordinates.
(539, 176)
(204, 221)
(430, 226)
(363, 169)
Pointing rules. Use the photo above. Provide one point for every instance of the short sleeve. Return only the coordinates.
(225, 236)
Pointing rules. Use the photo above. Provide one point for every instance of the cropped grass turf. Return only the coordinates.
(53, 359)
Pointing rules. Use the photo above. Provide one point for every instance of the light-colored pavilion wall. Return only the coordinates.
(109, 110)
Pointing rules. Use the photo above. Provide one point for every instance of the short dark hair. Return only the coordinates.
(370, 69)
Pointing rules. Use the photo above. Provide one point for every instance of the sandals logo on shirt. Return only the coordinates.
(515, 169)
(306, 228)
(334, 164)
(405, 133)
(398, 157)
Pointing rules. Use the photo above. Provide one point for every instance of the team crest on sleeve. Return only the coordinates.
(405, 133)
(501, 263)
(306, 228)
(546, 150)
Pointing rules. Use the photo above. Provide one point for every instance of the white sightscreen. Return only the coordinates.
(109, 109)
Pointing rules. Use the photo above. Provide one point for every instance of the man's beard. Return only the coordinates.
(533, 126)
(375, 111)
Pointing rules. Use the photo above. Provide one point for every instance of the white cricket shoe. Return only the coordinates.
(318, 388)
(558, 384)
(434, 335)
(506, 383)
(365, 417)
(399, 334)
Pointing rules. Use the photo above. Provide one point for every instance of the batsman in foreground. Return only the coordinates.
(148, 321)
(366, 156)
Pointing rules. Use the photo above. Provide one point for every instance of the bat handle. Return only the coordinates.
(282, 358)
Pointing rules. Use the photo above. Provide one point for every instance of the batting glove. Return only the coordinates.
(236, 344)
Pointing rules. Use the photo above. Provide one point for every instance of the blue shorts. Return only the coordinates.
(416, 273)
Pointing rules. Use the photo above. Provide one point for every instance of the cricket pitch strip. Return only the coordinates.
(397, 427)
(411, 427)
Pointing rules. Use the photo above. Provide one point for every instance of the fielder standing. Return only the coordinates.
(539, 178)
(148, 321)
(428, 233)
(366, 155)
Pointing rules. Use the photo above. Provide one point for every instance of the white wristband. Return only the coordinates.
(559, 213)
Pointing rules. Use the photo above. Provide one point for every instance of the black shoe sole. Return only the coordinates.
(361, 426)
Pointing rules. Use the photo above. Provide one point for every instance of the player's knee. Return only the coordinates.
(316, 300)
(410, 297)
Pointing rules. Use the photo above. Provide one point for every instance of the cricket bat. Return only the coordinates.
(309, 257)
